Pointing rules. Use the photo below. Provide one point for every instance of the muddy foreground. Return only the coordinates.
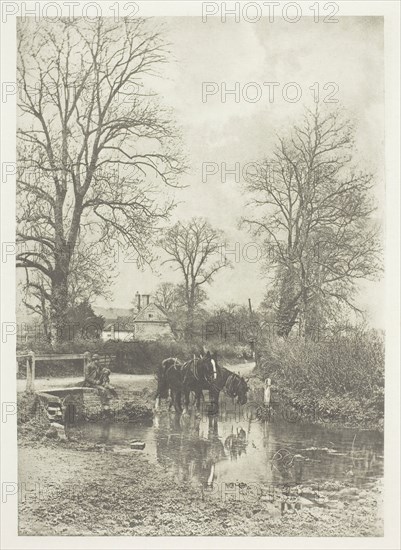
(73, 488)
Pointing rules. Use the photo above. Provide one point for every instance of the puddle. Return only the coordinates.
(237, 449)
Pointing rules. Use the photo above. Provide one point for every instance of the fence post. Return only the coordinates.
(267, 392)
(30, 372)
(33, 369)
(87, 356)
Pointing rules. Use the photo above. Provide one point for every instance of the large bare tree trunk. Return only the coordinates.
(288, 308)
(76, 131)
(59, 307)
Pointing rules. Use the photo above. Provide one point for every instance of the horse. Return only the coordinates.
(199, 374)
(169, 383)
(234, 385)
(175, 378)
(196, 375)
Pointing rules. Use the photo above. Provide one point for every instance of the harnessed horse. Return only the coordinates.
(235, 386)
(169, 382)
(198, 374)
(175, 378)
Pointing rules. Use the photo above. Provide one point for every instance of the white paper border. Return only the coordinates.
(10, 540)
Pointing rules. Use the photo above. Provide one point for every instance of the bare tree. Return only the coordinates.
(168, 297)
(94, 145)
(317, 215)
(36, 298)
(87, 279)
(195, 248)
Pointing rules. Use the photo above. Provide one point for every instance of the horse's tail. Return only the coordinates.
(162, 382)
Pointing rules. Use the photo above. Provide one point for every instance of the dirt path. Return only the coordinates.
(126, 380)
(119, 380)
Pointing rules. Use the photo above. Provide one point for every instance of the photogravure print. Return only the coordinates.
(199, 254)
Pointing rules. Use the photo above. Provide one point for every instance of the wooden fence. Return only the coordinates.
(31, 359)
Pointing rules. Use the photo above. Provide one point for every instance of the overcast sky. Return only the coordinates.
(349, 53)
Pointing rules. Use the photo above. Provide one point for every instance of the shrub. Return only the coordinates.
(343, 376)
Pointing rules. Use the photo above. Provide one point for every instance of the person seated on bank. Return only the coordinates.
(98, 377)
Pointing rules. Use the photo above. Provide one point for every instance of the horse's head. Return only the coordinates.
(242, 390)
(237, 387)
(210, 364)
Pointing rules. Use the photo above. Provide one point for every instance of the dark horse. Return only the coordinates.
(233, 384)
(197, 375)
(175, 378)
(169, 382)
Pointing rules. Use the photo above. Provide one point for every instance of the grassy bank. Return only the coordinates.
(339, 381)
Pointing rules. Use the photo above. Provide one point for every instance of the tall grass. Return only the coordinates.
(342, 376)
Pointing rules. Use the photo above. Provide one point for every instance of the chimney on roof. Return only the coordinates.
(145, 299)
(138, 297)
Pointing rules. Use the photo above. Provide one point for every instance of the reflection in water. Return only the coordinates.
(236, 443)
(182, 447)
(288, 465)
(237, 449)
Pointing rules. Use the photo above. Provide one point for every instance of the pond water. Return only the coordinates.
(235, 447)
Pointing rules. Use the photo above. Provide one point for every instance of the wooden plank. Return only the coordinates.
(61, 357)
(74, 389)
(65, 357)
(50, 357)
(72, 356)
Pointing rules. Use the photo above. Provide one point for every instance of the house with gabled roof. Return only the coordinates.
(150, 323)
